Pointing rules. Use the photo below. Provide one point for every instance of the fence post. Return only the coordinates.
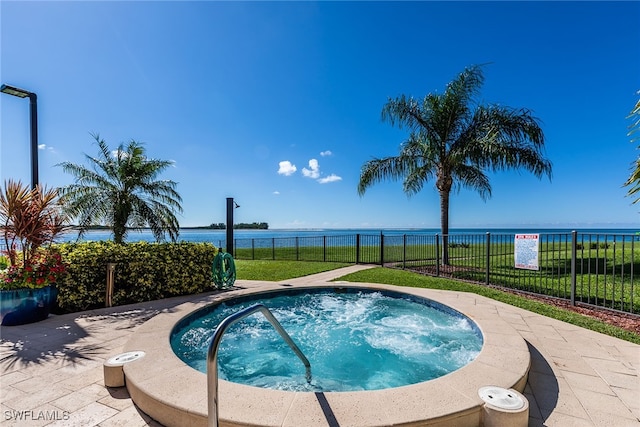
(488, 254)
(404, 251)
(358, 248)
(297, 250)
(273, 248)
(574, 252)
(437, 255)
(381, 249)
(324, 248)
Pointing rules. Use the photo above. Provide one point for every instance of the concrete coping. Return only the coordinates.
(174, 394)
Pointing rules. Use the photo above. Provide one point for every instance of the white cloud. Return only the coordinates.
(325, 153)
(331, 178)
(276, 192)
(313, 171)
(286, 168)
(42, 146)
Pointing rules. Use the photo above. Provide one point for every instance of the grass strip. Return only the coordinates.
(276, 271)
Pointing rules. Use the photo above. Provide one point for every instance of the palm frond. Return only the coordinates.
(473, 178)
(377, 170)
(633, 182)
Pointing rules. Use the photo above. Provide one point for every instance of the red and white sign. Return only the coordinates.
(526, 251)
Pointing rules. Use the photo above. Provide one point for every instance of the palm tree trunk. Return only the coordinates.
(444, 225)
(118, 234)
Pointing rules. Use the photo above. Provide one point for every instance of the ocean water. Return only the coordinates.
(218, 237)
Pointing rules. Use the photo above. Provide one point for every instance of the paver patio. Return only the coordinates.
(51, 372)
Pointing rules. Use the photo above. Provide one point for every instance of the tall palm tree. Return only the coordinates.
(120, 190)
(455, 141)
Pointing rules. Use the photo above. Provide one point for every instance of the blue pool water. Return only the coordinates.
(354, 339)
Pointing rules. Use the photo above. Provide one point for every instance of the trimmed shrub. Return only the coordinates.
(144, 272)
(456, 245)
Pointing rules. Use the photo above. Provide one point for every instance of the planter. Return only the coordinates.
(20, 306)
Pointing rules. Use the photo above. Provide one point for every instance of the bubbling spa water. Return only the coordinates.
(354, 340)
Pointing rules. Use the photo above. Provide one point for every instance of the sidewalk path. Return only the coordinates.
(51, 372)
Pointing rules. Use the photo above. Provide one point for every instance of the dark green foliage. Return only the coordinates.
(252, 226)
(240, 226)
(144, 272)
(456, 245)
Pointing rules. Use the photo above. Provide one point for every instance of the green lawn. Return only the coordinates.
(282, 270)
(275, 271)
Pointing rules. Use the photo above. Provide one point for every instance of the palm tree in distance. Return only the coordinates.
(120, 191)
(455, 141)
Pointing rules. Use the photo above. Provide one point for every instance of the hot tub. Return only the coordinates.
(175, 394)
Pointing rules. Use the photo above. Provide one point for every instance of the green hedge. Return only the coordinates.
(144, 272)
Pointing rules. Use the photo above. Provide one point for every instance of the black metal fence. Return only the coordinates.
(595, 269)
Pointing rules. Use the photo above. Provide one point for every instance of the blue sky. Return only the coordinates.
(238, 93)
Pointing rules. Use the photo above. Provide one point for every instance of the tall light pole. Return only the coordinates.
(33, 108)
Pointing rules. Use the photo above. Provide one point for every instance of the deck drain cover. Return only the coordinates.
(126, 357)
(501, 398)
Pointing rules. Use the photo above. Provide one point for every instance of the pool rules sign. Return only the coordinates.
(526, 251)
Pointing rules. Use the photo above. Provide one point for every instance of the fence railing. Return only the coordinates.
(595, 269)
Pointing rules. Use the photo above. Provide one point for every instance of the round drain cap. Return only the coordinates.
(501, 398)
(126, 357)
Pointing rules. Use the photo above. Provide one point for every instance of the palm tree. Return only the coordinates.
(121, 191)
(455, 141)
(634, 179)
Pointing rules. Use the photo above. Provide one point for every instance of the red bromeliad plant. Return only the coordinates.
(30, 219)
